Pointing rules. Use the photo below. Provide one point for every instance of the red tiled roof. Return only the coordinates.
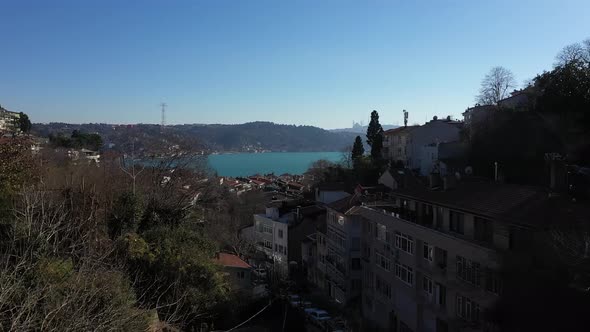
(231, 260)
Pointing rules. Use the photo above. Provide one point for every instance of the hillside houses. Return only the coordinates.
(9, 121)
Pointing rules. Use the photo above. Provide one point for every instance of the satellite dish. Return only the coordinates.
(469, 170)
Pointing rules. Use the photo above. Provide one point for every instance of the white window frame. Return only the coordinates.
(404, 242)
(427, 252)
(404, 273)
(381, 232)
(380, 258)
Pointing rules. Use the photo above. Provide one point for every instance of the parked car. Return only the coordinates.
(317, 315)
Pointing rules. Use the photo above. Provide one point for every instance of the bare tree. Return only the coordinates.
(346, 158)
(573, 53)
(495, 86)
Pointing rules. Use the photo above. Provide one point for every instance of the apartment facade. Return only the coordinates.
(9, 121)
(431, 133)
(341, 247)
(270, 234)
(431, 259)
(396, 144)
(279, 232)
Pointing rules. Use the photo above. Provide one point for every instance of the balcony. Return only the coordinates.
(434, 269)
(335, 265)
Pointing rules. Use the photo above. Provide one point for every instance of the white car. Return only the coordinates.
(317, 315)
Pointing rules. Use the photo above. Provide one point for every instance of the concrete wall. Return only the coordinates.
(238, 282)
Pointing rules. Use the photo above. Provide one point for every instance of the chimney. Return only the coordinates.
(495, 171)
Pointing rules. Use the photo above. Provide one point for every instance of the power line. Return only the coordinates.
(249, 319)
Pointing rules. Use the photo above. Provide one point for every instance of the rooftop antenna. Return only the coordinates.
(405, 118)
(163, 124)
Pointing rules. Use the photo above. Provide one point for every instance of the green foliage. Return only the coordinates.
(125, 214)
(375, 136)
(357, 151)
(77, 140)
(517, 141)
(178, 274)
(24, 123)
(564, 100)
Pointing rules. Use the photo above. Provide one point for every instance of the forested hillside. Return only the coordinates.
(253, 136)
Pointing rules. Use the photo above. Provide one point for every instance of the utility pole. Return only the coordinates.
(405, 118)
(163, 124)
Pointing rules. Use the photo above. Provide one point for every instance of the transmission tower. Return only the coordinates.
(163, 105)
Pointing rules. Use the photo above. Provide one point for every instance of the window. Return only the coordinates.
(467, 309)
(468, 271)
(493, 282)
(280, 233)
(483, 230)
(439, 217)
(428, 252)
(457, 222)
(382, 261)
(268, 244)
(267, 229)
(380, 232)
(404, 242)
(240, 274)
(382, 287)
(404, 273)
(427, 287)
(427, 215)
(355, 264)
(441, 258)
(387, 290)
(441, 295)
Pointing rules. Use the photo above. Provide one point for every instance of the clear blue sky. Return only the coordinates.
(323, 63)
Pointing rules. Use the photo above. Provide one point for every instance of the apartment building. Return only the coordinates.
(342, 251)
(396, 144)
(416, 146)
(430, 258)
(270, 234)
(314, 250)
(9, 121)
(279, 232)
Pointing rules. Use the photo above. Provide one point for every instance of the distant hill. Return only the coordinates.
(358, 129)
(253, 136)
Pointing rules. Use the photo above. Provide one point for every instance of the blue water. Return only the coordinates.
(245, 164)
